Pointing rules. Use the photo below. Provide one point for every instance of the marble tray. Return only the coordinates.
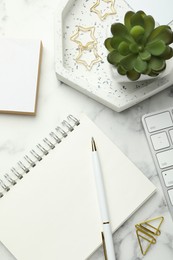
(100, 83)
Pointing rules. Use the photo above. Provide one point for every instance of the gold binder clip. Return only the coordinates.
(102, 15)
(146, 233)
(104, 246)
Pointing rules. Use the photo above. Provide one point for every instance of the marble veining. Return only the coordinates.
(19, 134)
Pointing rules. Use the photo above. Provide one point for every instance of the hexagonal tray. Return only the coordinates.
(100, 83)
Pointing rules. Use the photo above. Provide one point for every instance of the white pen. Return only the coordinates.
(107, 233)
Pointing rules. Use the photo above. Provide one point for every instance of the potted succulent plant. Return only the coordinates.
(139, 47)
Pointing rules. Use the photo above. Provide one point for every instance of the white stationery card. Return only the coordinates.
(53, 212)
(19, 66)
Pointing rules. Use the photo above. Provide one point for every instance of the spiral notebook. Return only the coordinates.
(52, 210)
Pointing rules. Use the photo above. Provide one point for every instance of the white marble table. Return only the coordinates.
(18, 134)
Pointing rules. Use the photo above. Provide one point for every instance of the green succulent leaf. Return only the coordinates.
(168, 53)
(115, 41)
(162, 32)
(157, 64)
(148, 70)
(127, 19)
(120, 30)
(157, 31)
(156, 48)
(137, 32)
(114, 57)
(123, 48)
(133, 47)
(159, 71)
(137, 19)
(145, 55)
(128, 61)
(133, 75)
(153, 74)
(140, 65)
(142, 13)
(149, 24)
(107, 44)
(121, 70)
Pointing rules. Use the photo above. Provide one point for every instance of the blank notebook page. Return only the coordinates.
(53, 213)
(19, 66)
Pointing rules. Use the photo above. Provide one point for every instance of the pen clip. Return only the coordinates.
(104, 246)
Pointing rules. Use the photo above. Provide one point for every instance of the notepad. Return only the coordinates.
(52, 212)
(19, 74)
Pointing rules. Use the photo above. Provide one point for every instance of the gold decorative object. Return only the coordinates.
(99, 12)
(89, 46)
(77, 36)
(80, 59)
(147, 232)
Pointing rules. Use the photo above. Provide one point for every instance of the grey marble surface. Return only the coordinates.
(18, 134)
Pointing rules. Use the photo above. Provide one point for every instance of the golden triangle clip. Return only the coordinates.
(146, 233)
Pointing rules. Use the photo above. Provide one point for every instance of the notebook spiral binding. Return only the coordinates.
(31, 161)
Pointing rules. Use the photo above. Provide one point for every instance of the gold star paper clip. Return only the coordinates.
(100, 13)
(80, 36)
(92, 49)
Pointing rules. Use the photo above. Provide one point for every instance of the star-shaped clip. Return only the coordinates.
(84, 36)
(102, 15)
(91, 50)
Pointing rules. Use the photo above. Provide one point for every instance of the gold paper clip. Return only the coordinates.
(146, 232)
(88, 47)
(77, 36)
(100, 14)
(104, 246)
(95, 59)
